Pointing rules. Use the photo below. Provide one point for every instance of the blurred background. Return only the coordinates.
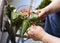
(19, 3)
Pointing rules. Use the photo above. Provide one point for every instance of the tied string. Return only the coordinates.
(30, 8)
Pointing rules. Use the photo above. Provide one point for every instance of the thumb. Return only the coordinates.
(41, 14)
(37, 11)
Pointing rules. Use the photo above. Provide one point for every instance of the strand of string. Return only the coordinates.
(30, 7)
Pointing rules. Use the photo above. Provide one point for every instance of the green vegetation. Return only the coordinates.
(43, 4)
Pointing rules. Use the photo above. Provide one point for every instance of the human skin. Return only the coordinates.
(52, 7)
(37, 32)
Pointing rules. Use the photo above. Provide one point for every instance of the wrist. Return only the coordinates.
(47, 10)
(44, 38)
(42, 35)
(47, 38)
(52, 7)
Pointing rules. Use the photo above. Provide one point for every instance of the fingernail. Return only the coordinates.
(29, 32)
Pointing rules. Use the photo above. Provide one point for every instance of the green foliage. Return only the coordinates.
(26, 23)
(19, 20)
(14, 15)
(8, 9)
(43, 4)
(33, 17)
(25, 26)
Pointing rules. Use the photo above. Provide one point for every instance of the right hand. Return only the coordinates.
(36, 32)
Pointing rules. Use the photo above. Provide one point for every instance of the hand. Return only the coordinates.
(36, 32)
(42, 13)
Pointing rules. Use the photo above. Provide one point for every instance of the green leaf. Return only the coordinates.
(14, 15)
(25, 26)
(34, 17)
(24, 16)
(43, 4)
(8, 9)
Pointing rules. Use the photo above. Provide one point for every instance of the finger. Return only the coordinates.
(33, 27)
(30, 33)
(37, 11)
(42, 18)
(27, 30)
(41, 13)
